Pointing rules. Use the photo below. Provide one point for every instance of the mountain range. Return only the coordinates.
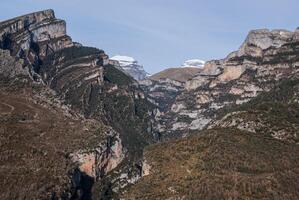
(78, 125)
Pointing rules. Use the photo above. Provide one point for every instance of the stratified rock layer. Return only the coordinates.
(262, 60)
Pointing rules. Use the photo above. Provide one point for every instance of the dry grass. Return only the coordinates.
(35, 141)
(177, 74)
(220, 164)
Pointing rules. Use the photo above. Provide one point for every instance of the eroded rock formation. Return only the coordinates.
(262, 60)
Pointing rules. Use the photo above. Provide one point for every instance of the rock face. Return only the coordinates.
(130, 66)
(262, 60)
(102, 159)
(38, 133)
(34, 36)
(83, 82)
(164, 86)
(13, 67)
(74, 125)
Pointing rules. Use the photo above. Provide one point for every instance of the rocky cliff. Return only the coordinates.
(262, 60)
(34, 36)
(37, 50)
(74, 125)
(163, 87)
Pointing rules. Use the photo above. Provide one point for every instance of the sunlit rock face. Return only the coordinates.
(97, 162)
(263, 59)
(34, 36)
(130, 66)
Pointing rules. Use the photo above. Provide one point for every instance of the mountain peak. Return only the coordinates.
(130, 66)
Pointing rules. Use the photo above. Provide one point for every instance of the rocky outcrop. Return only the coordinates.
(262, 60)
(10, 66)
(34, 36)
(90, 88)
(97, 162)
(163, 87)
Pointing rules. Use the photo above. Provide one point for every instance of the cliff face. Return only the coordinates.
(34, 36)
(82, 82)
(263, 59)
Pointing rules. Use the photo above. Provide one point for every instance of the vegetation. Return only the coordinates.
(220, 164)
(116, 76)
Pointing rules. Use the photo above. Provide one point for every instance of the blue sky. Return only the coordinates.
(163, 33)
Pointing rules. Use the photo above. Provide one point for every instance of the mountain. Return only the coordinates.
(73, 126)
(181, 74)
(265, 58)
(130, 66)
(239, 118)
(163, 87)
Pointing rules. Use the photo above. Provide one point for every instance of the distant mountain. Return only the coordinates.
(177, 74)
(75, 125)
(130, 66)
(183, 73)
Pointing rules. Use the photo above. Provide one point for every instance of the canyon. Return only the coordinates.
(78, 125)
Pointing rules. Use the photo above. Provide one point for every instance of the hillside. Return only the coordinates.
(248, 153)
(108, 126)
(76, 125)
(181, 74)
(220, 164)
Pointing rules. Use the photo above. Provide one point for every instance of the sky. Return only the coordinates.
(163, 33)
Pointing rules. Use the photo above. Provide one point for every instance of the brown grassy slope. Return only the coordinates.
(220, 164)
(35, 140)
(177, 74)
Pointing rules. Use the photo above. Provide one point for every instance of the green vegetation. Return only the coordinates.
(70, 53)
(115, 76)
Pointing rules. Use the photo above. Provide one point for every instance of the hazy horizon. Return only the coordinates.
(161, 34)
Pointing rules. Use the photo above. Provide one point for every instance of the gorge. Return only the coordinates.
(78, 125)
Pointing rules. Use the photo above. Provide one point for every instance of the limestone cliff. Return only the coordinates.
(82, 82)
(34, 36)
(262, 60)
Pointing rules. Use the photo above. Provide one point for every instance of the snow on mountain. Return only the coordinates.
(131, 67)
(194, 63)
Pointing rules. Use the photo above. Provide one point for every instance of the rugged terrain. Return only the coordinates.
(163, 87)
(265, 58)
(220, 164)
(76, 125)
(105, 109)
(246, 107)
(130, 66)
(248, 153)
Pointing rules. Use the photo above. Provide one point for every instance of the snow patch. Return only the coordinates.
(194, 63)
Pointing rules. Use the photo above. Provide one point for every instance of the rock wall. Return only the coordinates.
(97, 162)
(34, 36)
(265, 58)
